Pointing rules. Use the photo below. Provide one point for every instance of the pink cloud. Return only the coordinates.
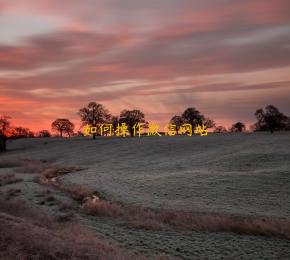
(97, 44)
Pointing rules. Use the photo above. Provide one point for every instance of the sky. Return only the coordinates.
(225, 58)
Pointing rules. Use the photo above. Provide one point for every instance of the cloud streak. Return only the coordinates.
(118, 53)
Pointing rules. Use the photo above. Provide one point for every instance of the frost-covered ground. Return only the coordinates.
(240, 174)
(236, 173)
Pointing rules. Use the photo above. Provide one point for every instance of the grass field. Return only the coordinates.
(218, 178)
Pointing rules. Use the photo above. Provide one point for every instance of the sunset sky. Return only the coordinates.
(226, 58)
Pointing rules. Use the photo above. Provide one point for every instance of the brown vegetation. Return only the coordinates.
(27, 234)
(9, 163)
(9, 179)
(140, 217)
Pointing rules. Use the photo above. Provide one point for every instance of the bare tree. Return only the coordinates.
(94, 115)
(270, 119)
(209, 123)
(193, 117)
(43, 133)
(114, 121)
(132, 117)
(238, 127)
(4, 130)
(177, 121)
(63, 125)
(220, 129)
(21, 132)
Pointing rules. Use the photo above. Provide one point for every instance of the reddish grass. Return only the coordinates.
(56, 171)
(26, 234)
(77, 192)
(140, 217)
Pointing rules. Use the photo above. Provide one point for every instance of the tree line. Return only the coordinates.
(95, 114)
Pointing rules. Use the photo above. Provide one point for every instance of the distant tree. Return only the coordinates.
(220, 129)
(70, 130)
(192, 116)
(287, 128)
(94, 115)
(238, 127)
(178, 121)
(43, 133)
(270, 119)
(132, 117)
(209, 123)
(114, 122)
(4, 132)
(63, 125)
(21, 132)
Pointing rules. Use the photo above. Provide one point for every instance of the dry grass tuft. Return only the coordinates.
(103, 208)
(23, 236)
(57, 171)
(49, 175)
(32, 166)
(9, 163)
(11, 193)
(66, 206)
(67, 217)
(145, 218)
(76, 192)
(9, 179)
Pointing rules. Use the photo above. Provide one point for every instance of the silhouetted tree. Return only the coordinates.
(132, 117)
(94, 115)
(220, 129)
(4, 130)
(287, 128)
(270, 119)
(178, 121)
(194, 117)
(70, 130)
(43, 133)
(63, 125)
(238, 127)
(209, 123)
(21, 132)
(114, 122)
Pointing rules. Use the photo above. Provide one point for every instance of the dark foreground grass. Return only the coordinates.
(27, 234)
(7, 179)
